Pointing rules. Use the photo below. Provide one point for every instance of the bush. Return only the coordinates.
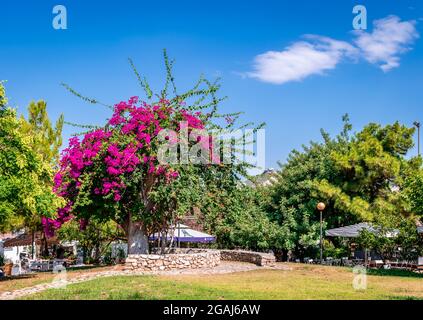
(121, 255)
(329, 250)
(406, 245)
(108, 257)
(243, 224)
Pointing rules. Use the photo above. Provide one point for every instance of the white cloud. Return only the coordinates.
(317, 54)
(300, 60)
(390, 38)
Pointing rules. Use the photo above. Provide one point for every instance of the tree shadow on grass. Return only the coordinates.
(87, 267)
(406, 298)
(22, 276)
(394, 273)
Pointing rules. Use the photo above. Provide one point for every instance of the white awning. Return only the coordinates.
(183, 233)
(352, 231)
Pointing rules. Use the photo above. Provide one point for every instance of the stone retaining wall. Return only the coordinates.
(258, 258)
(181, 259)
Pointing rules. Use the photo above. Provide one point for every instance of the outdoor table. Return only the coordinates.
(336, 262)
(357, 262)
(41, 265)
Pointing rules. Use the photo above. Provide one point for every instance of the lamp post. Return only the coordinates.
(417, 125)
(321, 206)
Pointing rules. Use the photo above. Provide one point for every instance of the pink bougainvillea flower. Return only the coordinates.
(108, 156)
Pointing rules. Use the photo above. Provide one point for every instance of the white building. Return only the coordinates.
(16, 245)
(10, 253)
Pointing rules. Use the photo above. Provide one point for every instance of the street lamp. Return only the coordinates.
(321, 206)
(417, 125)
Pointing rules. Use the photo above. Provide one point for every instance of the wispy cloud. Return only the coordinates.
(390, 38)
(316, 54)
(300, 60)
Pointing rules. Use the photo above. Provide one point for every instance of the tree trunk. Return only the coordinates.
(163, 244)
(137, 238)
(97, 254)
(44, 246)
(32, 244)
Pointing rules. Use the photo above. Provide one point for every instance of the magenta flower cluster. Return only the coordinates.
(107, 156)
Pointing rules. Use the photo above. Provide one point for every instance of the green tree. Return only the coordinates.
(94, 239)
(359, 177)
(114, 172)
(47, 139)
(21, 193)
(394, 241)
(291, 201)
(368, 173)
(25, 174)
(238, 220)
(413, 192)
(3, 98)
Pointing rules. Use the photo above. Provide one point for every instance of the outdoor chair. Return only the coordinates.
(348, 263)
(34, 265)
(58, 262)
(336, 262)
(45, 266)
(357, 262)
(308, 260)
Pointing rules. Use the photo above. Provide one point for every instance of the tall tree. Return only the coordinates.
(26, 173)
(94, 239)
(47, 139)
(115, 172)
(238, 219)
(359, 177)
(369, 174)
(413, 192)
(3, 98)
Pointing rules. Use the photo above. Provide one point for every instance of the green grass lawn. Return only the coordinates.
(43, 277)
(302, 282)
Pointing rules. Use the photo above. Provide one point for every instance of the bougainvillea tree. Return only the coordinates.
(117, 172)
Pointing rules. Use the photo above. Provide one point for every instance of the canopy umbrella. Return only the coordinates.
(183, 233)
(352, 231)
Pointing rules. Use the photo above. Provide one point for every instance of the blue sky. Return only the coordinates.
(270, 70)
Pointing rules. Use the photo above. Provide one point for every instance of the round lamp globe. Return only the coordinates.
(321, 206)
